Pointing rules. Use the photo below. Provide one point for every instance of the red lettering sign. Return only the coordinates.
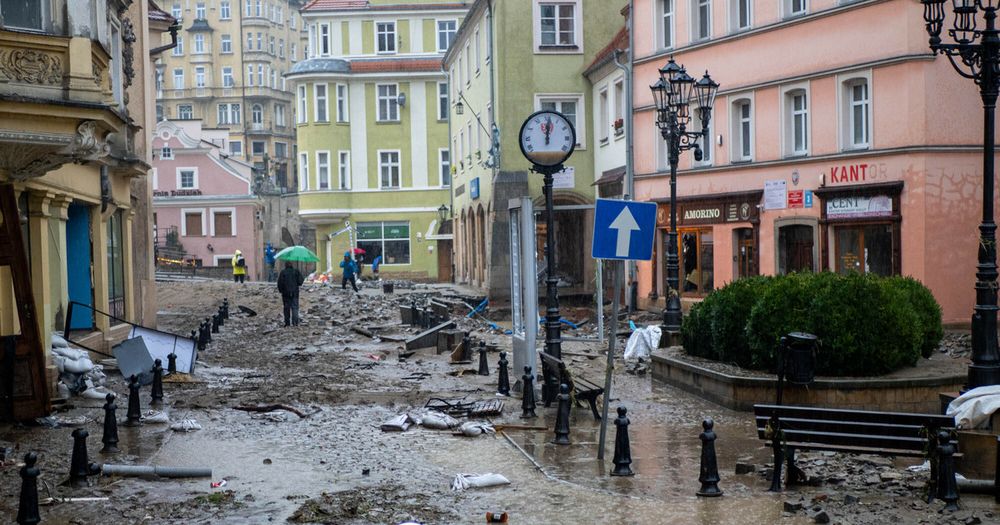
(852, 173)
(795, 199)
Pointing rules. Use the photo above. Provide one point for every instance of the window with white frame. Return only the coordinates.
(458, 84)
(248, 9)
(796, 122)
(740, 15)
(280, 150)
(603, 115)
(388, 105)
(300, 118)
(295, 52)
(178, 78)
(385, 37)
(281, 48)
(270, 45)
(313, 48)
(557, 24)
(227, 77)
(223, 222)
(257, 114)
(236, 148)
(194, 223)
(446, 31)
(742, 133)
(319, 95)
(468, 64)
(260, 75)
(619, 103)
(279, 115)
(258, 147)
(344, 170)
(179, 48)
(794, 7)
(185, 112)
(187, 178)
(462, 148)
(166, 153)
(701, 19)
(389, 240)
(249, 41)
(229, 113)
(175, 11)
(199, 76)
(25, 15)
(342, 109)
(323, 170)
(303, 171)
(227, 43)
(442, 101)
(257, 11)
(571, 106)
(388, 168)
(857, 113)
(260, 41)
(199, 11)
(199, 43)
(666, 22)
(225, 11)
(444, 166)
(249, 78)
(478, 46)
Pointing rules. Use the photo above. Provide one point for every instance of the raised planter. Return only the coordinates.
(742, 392)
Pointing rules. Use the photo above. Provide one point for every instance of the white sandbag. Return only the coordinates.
(642, 342)
(155, 416)
(60, 362)
(59, 342)
(475, 428)
(974, 408)
(95, 393)
(185, 425)
(438, 421)
(78, 366)
(96, 376)
(62, 390)
(70, 353)
(477, 481)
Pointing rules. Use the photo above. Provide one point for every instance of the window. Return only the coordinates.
(249, 79)
(468, 65)
(280, 150)
(569, 108)
(229, 113)
(742, 134)
(697, 263)
(342, 103)
(187, 178)
(794, 7)
(249, 41)
(603, 116)
(270, 45)
(260, 41)
(739, 15)
(312, 40)
(701, 19)
(227, 43)
(175, 11)
(388, 168)
(301, 116)
(281, 48)
(258, 147)
(116, 267)
(23, 14)
(257, 11)
(667, 23)
(236, 148)
(248, 10)
(442, 101)
(199, 76)
(199, 11)
(178, 78)
(795, 249)
(224, 10)
(179, 48)
(864, 249)
(323, 169)
(558, 24)
(193, 221)
(322, 111)
(279, 115)
(324, 40)
(166, 153)
(446, 31)
(344, 170)
(185, 112)
(260, 75)
(797, 134)
(444, 166)
(390, 240)
(385, 37)
(159, 83)
(222, 223)
(478, 47)
(295, 52)
(303, 171)
(857, 121)
(459, 71)
(619, 108)
(257, 114)
(388, 106)
(227, 77)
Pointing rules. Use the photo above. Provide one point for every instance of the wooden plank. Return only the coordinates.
(896, 418)
(855, 440)
(428, 337)
(853, 427)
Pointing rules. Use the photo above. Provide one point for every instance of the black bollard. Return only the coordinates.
(484, 367)
(202, 340)
(208, 329)
(503, 381)
(222, 317)
(225, 308)
(215, 323)
(110, 437)
(80, 466)
(157, 391)
(623, 450)
(133, 416)
(709, 476)
(562, 417)
(466, 348)
(172, 363)
(27, 506)
(528, 394)
(947, 487)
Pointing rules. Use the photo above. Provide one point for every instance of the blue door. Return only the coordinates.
(78, 263)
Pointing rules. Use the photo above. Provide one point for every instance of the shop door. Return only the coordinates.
(444, 261)
(78, 266)
(795, 248)
(746, 253)
(864, 249)
(697, 270)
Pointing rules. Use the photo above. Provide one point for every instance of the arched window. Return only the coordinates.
(258, 114)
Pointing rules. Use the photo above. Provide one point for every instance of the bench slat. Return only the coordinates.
(854, 440)
(896, 418)
(855, 449)
(850, 427)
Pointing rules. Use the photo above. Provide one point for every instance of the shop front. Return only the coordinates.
(861, 228)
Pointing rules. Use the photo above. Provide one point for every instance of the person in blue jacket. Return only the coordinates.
(350, 270)
(375, 264)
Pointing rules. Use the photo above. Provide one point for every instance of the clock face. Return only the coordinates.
(547, 138)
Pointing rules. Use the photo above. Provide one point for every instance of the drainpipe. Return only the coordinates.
(173, 39)
(494, 130)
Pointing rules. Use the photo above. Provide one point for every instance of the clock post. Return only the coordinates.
(547, 139)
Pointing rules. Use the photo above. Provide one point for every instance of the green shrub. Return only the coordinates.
(696, 332)
(782, 308)
(926, 307)
(730, 312)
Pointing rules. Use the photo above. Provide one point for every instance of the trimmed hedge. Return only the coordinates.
(868, 325)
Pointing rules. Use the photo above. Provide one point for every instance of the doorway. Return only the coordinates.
(79, 276)
(795, 249)
(444, 261)
(746, 252)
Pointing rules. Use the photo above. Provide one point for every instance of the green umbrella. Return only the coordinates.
(297, 253)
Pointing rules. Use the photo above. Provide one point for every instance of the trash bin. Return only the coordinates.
(386, 288)
(800, 357)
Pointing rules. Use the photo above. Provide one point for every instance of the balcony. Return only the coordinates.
(256, 21)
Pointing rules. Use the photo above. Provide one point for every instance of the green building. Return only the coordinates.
(373, 163)
(510, 59)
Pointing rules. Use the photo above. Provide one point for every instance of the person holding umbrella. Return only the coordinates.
(350, 270)
(289, 281)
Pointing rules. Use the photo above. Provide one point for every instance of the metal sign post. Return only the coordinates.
(612, 339)
(523, 286)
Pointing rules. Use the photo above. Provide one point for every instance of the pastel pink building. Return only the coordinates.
(838, 142)
(203, 199)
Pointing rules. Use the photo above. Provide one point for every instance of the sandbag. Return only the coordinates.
(59, 342)
(438, 421)
(475, 481)
(642, 342)
(974, 408)
(476, 428)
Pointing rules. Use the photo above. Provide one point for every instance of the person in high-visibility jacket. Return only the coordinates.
(239, 267)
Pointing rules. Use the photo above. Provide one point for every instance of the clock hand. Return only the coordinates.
(547, 129)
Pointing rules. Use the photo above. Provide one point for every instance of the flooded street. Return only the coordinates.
(336, 465)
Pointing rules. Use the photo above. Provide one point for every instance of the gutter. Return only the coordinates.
(173, 39)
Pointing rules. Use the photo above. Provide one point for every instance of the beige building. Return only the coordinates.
(228, 70)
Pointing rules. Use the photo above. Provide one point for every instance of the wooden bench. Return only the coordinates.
(791, 428)
(580, 387)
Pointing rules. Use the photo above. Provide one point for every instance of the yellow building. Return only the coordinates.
(228, 70)
(75, 118)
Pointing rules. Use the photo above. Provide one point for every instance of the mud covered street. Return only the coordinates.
(335, 464)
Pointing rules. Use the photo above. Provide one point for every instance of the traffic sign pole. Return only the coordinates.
(612, 339)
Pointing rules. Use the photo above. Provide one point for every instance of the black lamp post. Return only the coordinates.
(672, 96)
(976, 55)
(443, 212)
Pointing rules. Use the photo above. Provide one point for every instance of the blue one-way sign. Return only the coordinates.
(624, 230)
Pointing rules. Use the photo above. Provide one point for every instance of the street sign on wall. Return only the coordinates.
(623, 230)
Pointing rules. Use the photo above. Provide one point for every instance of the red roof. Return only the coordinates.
(620, 41)
(159, 15)
(323, 5)
(335, 4)
(400, 65)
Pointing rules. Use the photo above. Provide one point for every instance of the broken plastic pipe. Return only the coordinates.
(154, 470)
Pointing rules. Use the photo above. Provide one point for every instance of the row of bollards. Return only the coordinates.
(203, 334)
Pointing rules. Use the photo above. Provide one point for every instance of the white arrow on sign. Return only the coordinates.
(625, 224)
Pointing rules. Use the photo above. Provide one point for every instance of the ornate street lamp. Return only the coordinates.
(976, 55)
(443, 212)
(672, 94)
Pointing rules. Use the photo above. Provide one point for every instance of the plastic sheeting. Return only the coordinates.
(642, 342)
(974, 408)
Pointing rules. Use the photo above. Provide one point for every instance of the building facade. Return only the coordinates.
(857, 150)
(227, 70)
(546, 47)
(204, 204)
(374, 168)
(75, 108)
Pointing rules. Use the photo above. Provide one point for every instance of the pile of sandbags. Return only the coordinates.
(77, 373)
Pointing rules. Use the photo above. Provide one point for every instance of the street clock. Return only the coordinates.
(547, 138)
